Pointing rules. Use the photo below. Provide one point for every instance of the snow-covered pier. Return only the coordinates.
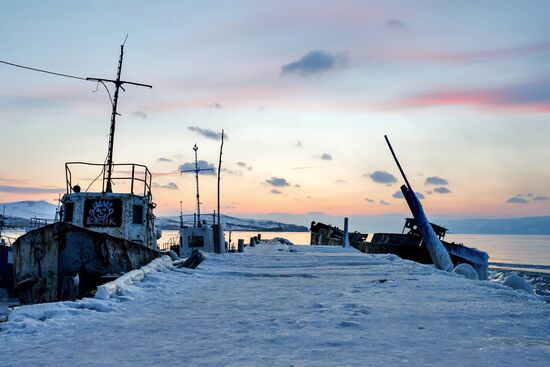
(278, 305)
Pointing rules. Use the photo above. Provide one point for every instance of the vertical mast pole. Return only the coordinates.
(181, 214)
(219, 174)
(195, 148)
(197, 170)
(2, 221)
(117, 83)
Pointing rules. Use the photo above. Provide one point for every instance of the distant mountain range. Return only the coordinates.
(526, 225)
(18, 214)
(28, 209)
(233, 223)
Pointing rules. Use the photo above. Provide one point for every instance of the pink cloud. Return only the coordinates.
(533, 96)
(483, 55)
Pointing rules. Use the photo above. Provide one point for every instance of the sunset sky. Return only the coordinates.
(305, 90)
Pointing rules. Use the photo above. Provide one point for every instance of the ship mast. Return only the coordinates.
(118, 85)
(2, 221)
(197, 170)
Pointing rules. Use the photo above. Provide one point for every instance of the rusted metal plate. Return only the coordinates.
(62, 261)
(35, 262)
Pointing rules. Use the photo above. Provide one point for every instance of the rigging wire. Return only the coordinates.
(72, 77)
(100, 173)
(107, 89)
(42, 70)
(59, 74)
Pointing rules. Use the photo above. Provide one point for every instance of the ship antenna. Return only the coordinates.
(181, 214)
(2, 220)
(118, 85)
(57, 210)
(219, 176)
(197, 170)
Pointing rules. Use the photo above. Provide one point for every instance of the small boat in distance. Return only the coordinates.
(200, 236)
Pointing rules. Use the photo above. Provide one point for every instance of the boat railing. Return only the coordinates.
(410, 224)
(39, 222)
(137, 176)
(190, 220)
(172, 243)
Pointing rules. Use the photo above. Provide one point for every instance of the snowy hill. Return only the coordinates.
(527, 225)
(28, 209)
(18, 213)
(233, 223)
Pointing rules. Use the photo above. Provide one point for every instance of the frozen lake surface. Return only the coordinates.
(277, 305)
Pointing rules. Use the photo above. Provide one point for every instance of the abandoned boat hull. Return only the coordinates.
(62, 261)
(6, 269)
(411, 247)
(403, 245)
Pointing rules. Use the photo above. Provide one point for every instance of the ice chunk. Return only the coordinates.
(514, 281)
(466, 270)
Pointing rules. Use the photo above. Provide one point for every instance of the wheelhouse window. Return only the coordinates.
(68, 209)
(195, 241)
(137, 214)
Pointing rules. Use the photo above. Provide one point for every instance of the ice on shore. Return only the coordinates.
(269, 306)
(514, 281)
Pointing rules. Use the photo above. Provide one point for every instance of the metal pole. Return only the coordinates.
(219, 174)
(195, 148)
(132, 183)
(113, 120)
(437, 251)
(398, 164)
(345, 240)
(181, 214)
(118, 84)
(197, 170)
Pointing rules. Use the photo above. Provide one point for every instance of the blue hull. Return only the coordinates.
(6, 269)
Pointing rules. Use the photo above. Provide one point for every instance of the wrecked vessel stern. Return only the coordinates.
(101, 235)
(62, 261)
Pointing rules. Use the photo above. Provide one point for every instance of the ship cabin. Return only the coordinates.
(126, 214)
(412, 227)
(199, 237)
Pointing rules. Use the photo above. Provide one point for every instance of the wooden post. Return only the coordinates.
(216, 235)
(345, 240)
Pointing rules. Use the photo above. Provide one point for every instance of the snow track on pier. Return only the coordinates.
(313, 306)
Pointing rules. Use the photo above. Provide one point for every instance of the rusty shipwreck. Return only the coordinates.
(420, 240)
(407, 245)
(101, 233)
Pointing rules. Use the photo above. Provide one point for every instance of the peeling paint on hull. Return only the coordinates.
(62, 261)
